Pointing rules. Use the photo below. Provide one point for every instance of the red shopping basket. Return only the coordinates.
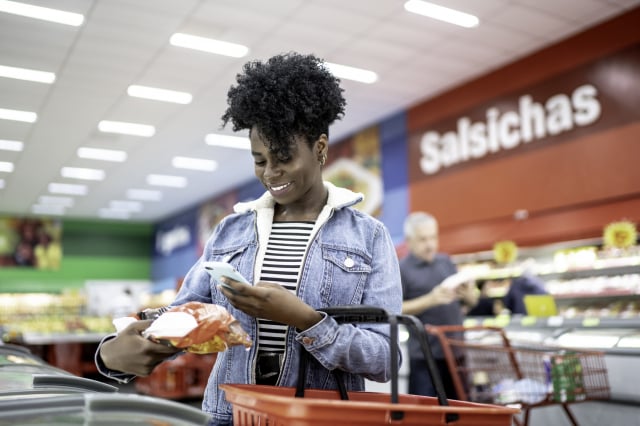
(255, 405)
(279, 406)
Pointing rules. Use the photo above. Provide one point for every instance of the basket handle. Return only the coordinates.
(371, 314)
(415, 326)
(343, 315)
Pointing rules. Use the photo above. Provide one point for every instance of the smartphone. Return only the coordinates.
(224, 269)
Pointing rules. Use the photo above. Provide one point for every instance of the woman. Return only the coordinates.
(301, 244)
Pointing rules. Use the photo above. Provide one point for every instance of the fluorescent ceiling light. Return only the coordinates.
(27, 74)
(441, 13)
(1, 183)
(352, 73)
(7, 145)
(194, 164)
(16, 115)
(113, 214)
(209, 45)
(6, 166)
(156, 94)
(127, 206)
(82, 173)
(43, 13)
(167, 180)
(144, 194)
(102, 154)
(68, 188)
(124, 128)
(238, 142)
(53, 200)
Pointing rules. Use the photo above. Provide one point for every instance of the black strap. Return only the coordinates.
(302, 374)
(370, 314)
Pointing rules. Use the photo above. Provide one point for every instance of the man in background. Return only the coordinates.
(422, 271)
(525, 284)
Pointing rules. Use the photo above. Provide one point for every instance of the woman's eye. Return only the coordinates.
(260, 163)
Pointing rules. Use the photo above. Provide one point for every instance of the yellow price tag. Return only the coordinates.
(502, 320)
(489, 322)
(470, 322)
(591, 322)
(528, 321)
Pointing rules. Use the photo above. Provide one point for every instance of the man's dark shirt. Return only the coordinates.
(420, 277)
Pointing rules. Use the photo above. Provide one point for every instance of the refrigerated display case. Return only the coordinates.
(24, 375)
(597, 297)
(585, 281)
(32, 392)
(98, 409)
(619, 339)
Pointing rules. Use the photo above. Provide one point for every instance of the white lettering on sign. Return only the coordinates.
(168, 241)
(507, 130)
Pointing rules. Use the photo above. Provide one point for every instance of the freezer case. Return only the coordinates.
(35, 393)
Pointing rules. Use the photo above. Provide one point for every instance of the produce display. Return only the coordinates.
(28, 315)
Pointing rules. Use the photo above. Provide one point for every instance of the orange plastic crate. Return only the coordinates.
(255, 405)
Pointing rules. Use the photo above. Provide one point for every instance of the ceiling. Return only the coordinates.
(124, 42)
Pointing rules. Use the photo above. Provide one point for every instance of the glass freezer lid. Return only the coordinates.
(26, 381)
(598, 338)
(99, 410)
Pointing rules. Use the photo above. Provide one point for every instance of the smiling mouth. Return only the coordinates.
(279, 187)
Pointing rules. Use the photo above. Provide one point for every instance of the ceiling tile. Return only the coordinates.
(123, 42)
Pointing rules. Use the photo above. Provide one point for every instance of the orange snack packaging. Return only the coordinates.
(200, 328)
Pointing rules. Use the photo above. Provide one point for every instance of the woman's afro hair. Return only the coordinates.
(289, 95)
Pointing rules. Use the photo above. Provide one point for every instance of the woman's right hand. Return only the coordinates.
(129, 352)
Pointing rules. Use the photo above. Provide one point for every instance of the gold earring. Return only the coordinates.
(323, 159)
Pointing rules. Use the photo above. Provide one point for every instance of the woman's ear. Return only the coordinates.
(321, 148)
(322, 145)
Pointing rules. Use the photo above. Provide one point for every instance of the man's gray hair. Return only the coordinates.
(414, 219)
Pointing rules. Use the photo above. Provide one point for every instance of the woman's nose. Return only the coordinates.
(271, 169)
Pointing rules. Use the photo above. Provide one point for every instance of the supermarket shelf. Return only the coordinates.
(555, 322)
(599, 295)
(591, 272)
(547, 273)
(54, 338)
(613, 336)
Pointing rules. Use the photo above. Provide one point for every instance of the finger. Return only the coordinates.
(227, 289)
(233, 285)
(268, 284)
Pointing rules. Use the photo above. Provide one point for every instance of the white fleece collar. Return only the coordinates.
(264, 208)
(338, 198)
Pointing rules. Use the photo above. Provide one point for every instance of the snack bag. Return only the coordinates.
(198, 327)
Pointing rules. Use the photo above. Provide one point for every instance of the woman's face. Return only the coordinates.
(296, 180)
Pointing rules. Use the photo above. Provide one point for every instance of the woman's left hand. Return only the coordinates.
(270, 301)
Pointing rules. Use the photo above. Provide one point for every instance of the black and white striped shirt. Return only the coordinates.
(283, 259)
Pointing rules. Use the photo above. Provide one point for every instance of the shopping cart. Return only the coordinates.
(280, 406)
(486, 368)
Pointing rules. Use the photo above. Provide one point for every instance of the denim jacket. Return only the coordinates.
(351, 260)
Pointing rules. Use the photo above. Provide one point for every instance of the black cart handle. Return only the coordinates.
(352, 314)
